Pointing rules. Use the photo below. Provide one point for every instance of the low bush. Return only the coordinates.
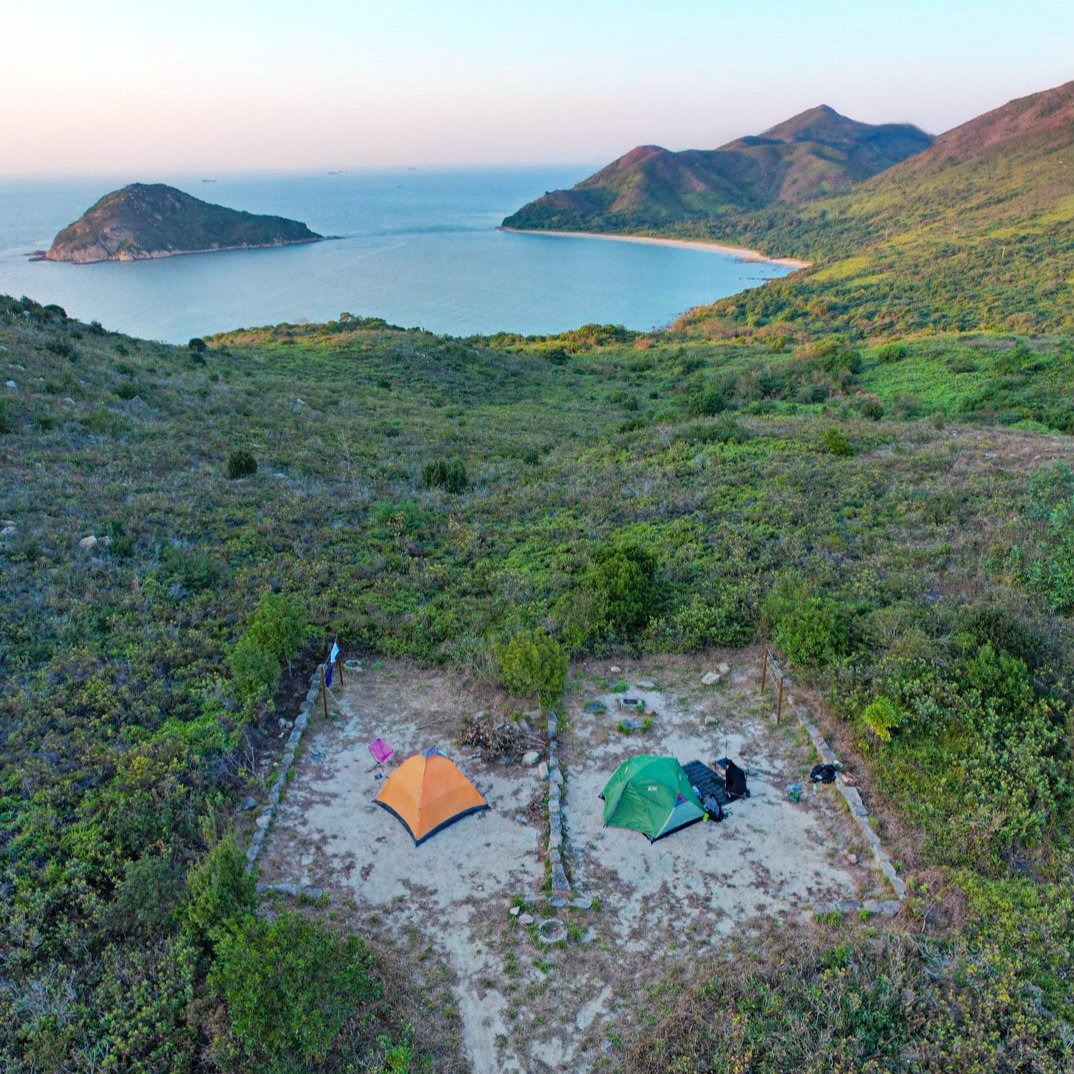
(448, 474)
(835, 442)
(533, 664)
(241, 463)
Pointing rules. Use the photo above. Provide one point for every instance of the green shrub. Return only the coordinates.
(448, 474)
(197, 346)
(7, 417)
(623, 400)
(255, 672)
(220, 890)
(705, 401)
(534, 664)
(720, 619)
(1044, 558)
(891, 352)
(621, 590)
(290, 988)
(241, 463)
(835, 442)
(881, 717)
(812, 630)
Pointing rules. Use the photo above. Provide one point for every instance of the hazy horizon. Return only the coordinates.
(116, 88)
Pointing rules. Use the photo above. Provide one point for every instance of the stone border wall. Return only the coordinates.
(272, 801)
(852, 797)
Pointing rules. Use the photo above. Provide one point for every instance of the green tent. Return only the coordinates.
(650, 795)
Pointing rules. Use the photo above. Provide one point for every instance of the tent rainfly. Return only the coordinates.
(651, 795)
(427, 792)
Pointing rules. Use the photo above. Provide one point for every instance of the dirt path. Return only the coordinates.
(523, 1005)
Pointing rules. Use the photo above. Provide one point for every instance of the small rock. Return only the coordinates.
(286, 723)
(88, 542)
(7, 531)
(615, 670)
(5, 522)
(630, 724)
(520, 818)
(515, 911)
(724, 669)
(542, 770)
(582, 902)
(526, 919)
(557, 901)
(248, 803)
(595, 708)
(10, 384)
(556, 777)
(530, 758)
(645, 684)
(853, 859)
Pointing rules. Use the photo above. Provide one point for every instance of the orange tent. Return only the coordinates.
(428, 792)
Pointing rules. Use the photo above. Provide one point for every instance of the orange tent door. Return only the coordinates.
(427, 792)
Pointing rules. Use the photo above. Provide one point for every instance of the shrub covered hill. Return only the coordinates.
(154, 220)
(976, 231)
(811, 154)
(895, 516)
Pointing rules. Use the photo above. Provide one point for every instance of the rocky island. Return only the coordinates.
(146, 220)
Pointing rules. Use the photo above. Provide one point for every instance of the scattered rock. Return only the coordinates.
(10, 384)
(7, 531)
(88, 542)
(853, 859)
(530, 758)
(645, 684)
(615, 670)
(248, 803)
(286, 723)
(630, 724)
(556, 777)
(526, 919)
(582, 902)
(515, 911)
(710, 678)
(724, 669)
(542, 770)
(595, 708)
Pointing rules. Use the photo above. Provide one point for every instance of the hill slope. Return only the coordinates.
(154, 220)
(978, 231)
(809, 155)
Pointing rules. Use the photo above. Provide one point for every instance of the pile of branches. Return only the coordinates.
(499, 739)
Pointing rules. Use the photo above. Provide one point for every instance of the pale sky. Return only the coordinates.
(218, 85)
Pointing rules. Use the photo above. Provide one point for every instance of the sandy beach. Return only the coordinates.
(740, 252)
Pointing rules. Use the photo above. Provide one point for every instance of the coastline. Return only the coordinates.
(156, 255)
(739, 252)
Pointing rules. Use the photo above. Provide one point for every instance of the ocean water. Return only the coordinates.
(417, 247)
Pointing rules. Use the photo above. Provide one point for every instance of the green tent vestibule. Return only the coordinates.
(651, 795)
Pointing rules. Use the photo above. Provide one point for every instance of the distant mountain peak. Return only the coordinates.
(814, 153)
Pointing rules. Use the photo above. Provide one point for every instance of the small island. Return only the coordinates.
(147, 220)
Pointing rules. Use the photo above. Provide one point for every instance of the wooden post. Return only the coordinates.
(324, 693)
(339, 668)
(764, 668)
(779, 703)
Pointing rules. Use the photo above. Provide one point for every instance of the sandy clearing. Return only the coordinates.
(523, 1006)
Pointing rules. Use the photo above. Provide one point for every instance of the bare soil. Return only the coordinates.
(514, 1003)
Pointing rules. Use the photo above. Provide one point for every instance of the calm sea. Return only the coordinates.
(419, 248)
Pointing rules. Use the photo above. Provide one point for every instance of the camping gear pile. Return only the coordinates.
(427, 792)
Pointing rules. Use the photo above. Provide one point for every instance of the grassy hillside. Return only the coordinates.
(977, 232)
(420, 495)
(811, 154)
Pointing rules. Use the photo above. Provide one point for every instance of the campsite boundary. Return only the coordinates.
(852, 797)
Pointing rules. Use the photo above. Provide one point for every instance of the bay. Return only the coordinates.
(419, 248)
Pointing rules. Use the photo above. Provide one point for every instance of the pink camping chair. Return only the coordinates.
(381, 751)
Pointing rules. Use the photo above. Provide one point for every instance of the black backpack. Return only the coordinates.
(823, 773)
(735, 779)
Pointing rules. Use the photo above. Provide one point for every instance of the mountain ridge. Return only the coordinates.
(806, 156)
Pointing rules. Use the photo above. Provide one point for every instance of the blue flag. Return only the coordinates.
(328, 674)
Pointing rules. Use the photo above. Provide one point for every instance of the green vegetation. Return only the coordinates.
(892, 514)
(533, 664)
(811, 154)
